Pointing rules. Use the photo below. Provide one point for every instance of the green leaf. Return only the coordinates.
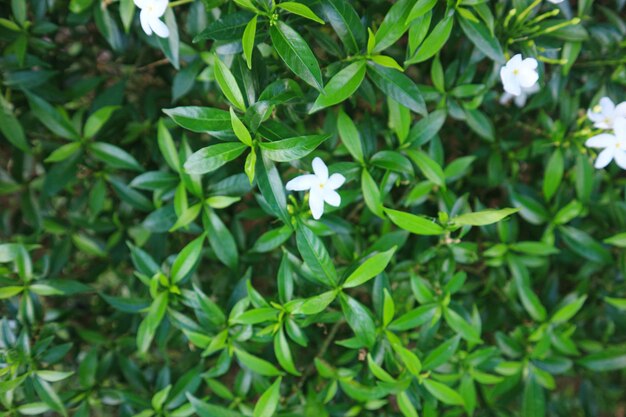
(48, 395)
(213, 157)
(553, 175)
(272, 188)
(618, 240)
(57, 122)
(533, 401)
(247, 40)
(611, 359)
(171, 45)
(442, 353)
(63, 152)
(479, 34)
(569, 310)
(256, 364)
(151, 322)
(397, 86)
(167, 146)
(378, 371)
(47, 287)
(431, 169)
(10, 291)
(461, 326)
(529, 299)
(292, 148)
(369, 269)
(444, 393)
(483, 218)
(434, 42)
(221, 239)
(315, 255)
(240, 129)
(268, 402)
(393, 25)
(350, 136)
(295, 52)
(187, 259)
(371, 193)
(359, 319)
(405, 405)
(299, 9)
(228, 84)
(283, 353)
(114, 156)
(619, 303)
(342, 86)
(426, 129)
(584, 245)
(420, 8)
(201, 119)
(98, 119)
(209, 410)
(250, 165)
(409, 359)
(159, 398)
(346, 23)
(12, 129)
(317, 303)
(229, 27)
(414, 224)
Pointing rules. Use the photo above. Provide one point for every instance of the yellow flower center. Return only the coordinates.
(597, 108)
(515, 71)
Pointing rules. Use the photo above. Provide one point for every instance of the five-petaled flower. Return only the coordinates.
(604, 114)
(614, 145)
(150, 17)
(519, 74)
(321, 187)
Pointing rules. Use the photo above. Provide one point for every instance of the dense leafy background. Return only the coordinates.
(137, 279)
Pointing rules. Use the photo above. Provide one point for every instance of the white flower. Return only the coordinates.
(518, 74)
(604, 114)
(151, 12)
(614, 145)
(520, 100)
(322, 187)
(555, 1)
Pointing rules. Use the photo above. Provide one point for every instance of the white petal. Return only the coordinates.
(620, 158)
(515, 62)
(603, 140)
(555, 1)
(520, 100)
(506, 98)
(530, 64)
(619, 125)
(607, 106)
(316, 203)
(594, 116)
(620, 110)
(527, 77)
(320, 169)
(160, 6)
(159, 28)
(332, 197)
(144, 18)
(335, 181)
(509, 82)
(141, 3)
(303, 182)
(604, 158)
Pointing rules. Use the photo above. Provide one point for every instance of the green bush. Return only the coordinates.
(315, 208)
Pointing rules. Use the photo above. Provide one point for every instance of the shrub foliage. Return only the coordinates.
(469, 259)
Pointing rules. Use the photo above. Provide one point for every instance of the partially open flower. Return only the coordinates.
(321, 186)
(519, 74)
(150, 17)
(614, 145)
(604, 114)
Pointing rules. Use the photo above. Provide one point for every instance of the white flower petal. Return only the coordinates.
(595, 116)
(603, 140)
(303, 182)
(141, 3)
(144, 18)
(520, 100)
(316, 203)
(620, 110)
(530, 64)
(320, 169)
(509, 82)
(335, 181)
(160, 6)
(506, 98)
(555, 1)
(527, 77)
(604, 158)
(159, 28)
(620, 158)
(619, 126)
(607, 105)
(332, 197)
(515, 61)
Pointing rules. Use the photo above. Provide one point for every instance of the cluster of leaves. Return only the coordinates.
(153, 264)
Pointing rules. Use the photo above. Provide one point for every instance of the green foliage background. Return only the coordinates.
(138, 280)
